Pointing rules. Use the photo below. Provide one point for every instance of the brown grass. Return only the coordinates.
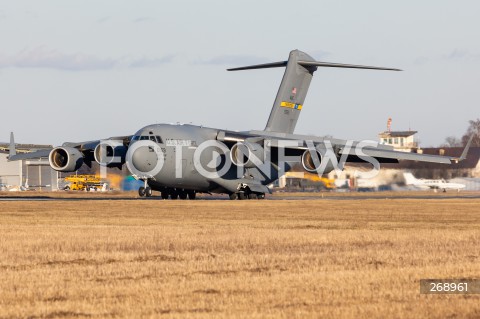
(264, 259)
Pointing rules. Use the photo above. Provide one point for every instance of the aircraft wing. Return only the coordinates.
(32, 155)
(398, 155)
(90, 145)
(383, 153)
(86, 147)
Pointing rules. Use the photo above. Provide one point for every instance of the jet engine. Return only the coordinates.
(110, 154)
(65, 159)
(247, 154)
(311, 165)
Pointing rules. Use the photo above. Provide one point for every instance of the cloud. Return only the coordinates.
(458, 55)
(142, 19)
(421, 60)
(102, 20)
(233, 60)
(53, 59)
(150, 62)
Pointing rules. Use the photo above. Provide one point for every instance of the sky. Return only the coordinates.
(85, 70)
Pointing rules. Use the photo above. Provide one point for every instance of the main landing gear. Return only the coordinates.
(243, 195)
(174, 193)
(168, 193)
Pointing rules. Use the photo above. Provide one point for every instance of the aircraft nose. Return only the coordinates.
(144, 159)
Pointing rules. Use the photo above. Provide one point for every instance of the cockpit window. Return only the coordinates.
(154, 138)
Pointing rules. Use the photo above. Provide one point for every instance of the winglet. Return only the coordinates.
(465, 151)
(11, 149)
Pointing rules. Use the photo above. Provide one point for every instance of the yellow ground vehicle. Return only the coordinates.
(83, 183)
(329, 183)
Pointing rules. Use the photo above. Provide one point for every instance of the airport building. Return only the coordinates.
(400, 140)
(36, 173)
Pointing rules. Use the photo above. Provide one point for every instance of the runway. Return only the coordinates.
(274, 197)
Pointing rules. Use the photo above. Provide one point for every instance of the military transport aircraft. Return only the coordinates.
(182, 160)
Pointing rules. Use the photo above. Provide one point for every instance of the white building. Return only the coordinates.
(400, 140)
(37, 173)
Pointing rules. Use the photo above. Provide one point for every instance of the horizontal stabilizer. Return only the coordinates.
(340, 65)
(311, 63)
(261, 66)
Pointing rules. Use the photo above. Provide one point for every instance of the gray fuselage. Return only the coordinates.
(178, 144)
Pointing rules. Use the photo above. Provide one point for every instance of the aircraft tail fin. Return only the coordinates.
(294, 87)
(409, 178)
(466, 149)
(11, 149)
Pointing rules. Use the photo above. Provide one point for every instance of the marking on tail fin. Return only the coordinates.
(291, 105)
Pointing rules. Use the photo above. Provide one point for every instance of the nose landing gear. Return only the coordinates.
(145, 191)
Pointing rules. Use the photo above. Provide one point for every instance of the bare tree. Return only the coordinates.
(473, 129)
(452, 141)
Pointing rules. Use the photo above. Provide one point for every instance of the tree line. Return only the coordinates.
(473, 129)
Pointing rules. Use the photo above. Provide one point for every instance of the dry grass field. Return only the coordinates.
(258, 259)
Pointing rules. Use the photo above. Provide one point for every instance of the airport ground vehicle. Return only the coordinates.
(84, 183)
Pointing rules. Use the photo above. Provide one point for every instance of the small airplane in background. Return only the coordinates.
(20, 188)
(434, 184)
(13, 188)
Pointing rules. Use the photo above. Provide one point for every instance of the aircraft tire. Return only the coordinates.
(174, 195)
(261, 196)
(164, 195)
(191, 194)
(233, 196)
(141, 191)
(183, 195)
(148, 192)
(241, 195)
(252, 196)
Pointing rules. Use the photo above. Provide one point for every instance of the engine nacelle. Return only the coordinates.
(312, 165)
(65, 159)
(110, 154)
(247, 154)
